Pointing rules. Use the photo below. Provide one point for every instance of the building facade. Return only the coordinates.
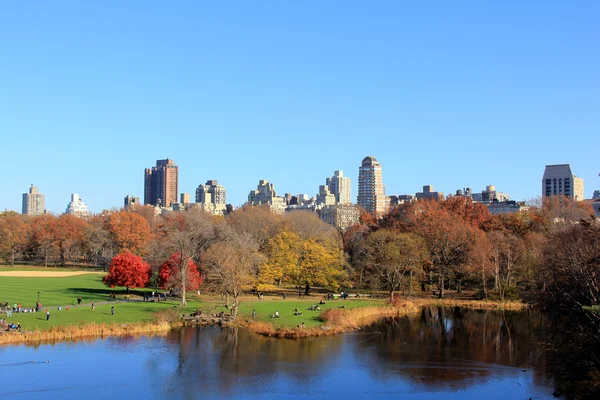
(341, 187)
(33, 202)
(342, 216)
(558, 180)
(429, 193)
(77, 207)
(211, 192)
(265, 194)
(131, 201)
(371, 191)
(161, 184)
(212, 198)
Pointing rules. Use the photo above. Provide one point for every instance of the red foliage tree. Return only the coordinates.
(169, 275)
(127, 270)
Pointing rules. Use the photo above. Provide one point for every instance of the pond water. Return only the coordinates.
(443, 353)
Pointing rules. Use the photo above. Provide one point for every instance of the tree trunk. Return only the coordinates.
(458, 286)
(410, 284)
(183, 302)
(307, 289)
(392, 296)
(441, 296)
(483, 280)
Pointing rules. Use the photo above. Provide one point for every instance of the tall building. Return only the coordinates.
(161, 183)
(558, 180)
(265, 194)
(130, 201)
(429, 193)
(340, 186)
(33, 202)
(371, 191)
(211, 197)
(77, 207)
(185, 198)
(211, 192)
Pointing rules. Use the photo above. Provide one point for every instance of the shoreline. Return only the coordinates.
(335, 321)
(90, 330)
(339, 320)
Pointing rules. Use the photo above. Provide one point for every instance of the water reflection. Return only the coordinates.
(445, 352)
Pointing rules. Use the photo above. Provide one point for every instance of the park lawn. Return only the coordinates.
(58, 291)
(266, 308)
(124, 313)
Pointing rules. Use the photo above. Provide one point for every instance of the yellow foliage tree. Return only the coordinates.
(302, 262)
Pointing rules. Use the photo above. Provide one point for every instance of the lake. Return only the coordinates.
(442, 353)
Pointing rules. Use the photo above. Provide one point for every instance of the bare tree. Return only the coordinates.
(187, 234)
(233, 263)
(392, 255)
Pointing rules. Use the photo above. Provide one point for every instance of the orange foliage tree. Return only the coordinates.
(41, 232)
(12, 235)
(68, 231)
(450, 240)
(127, 270)
(169, 275)
(128, 231)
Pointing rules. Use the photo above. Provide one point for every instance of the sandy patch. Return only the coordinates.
(45, 274)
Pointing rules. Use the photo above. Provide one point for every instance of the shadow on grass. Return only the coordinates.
(105, 292)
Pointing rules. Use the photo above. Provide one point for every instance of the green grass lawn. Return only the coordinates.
(266, 308)
(63, 291)
(124, 313)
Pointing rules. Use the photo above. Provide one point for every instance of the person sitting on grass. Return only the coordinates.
(322, 302)
(276, 315)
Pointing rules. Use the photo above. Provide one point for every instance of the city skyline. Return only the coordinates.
(354, 187)
(444, 96)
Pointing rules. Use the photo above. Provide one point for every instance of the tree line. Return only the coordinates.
(430, 246)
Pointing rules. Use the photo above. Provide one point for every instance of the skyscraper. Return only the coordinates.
(558, 180)
(130, 201)
(77, 207)
(340, 186)
(33, 202)
(371, 192)
(161, 183)
(211, 192)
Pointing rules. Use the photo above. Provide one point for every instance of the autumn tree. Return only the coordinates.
(99, 244)
(188, 234)
(68, 233)
(302, 262)
(232, 264)
(128, 231)
(506, 256)
(41, 235)
(449, 239)
(169, 275)
(308, 226)
(127, 270)
(12, 235)
(257, 221)
(392, 256)
(573, 258)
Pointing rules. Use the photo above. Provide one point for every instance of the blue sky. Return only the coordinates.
(452, 94)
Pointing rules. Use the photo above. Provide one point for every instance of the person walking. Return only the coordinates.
(79, 300)
(47, 315)
(112, 310)
(253, 314)
(93, 306)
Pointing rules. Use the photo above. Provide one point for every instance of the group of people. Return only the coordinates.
(10, 327)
